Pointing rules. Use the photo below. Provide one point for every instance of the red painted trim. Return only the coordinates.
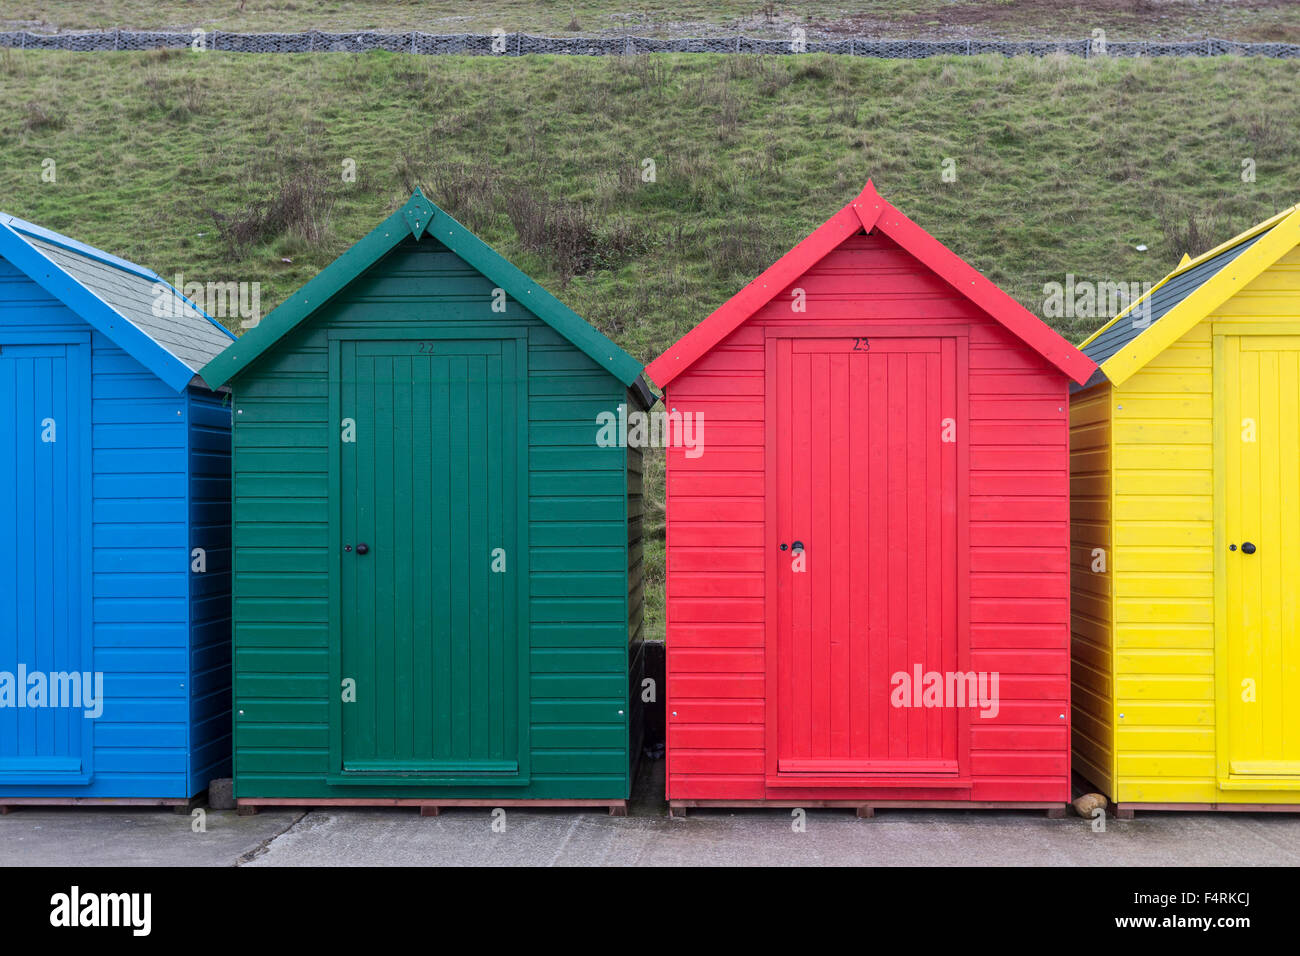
(868, 327)
(728, 316)
(855, 781)
(962, 359)
(886, 804)
(866, 211)
(771, 601)
(670, 659)
(971, 283)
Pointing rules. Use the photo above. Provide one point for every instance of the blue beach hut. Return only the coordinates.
(114, 531)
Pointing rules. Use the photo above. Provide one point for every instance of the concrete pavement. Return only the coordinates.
(647, 837)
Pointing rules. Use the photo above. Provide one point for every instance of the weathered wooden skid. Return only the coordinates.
(428, 808)
(1125, 811)
(868, 808)
(182, 804)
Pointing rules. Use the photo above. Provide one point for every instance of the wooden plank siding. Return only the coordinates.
(1018, 483)
(578, 529)
(138, 555)
(1164, 558)
(1091, 638)
(209, 519)
(635, 596)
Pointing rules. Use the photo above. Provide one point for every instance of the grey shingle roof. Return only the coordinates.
(1160, 302)
(181, 329)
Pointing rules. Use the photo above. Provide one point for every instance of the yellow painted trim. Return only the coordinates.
(1267, 768)
(1133, 305)
(1204, 300)
(1288, 329)
(1219, 410)
(1112, 556)
(1238, 239)
(1188, 262)
(1259, 783)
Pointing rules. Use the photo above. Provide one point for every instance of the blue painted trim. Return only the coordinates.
(99, 255)
(187, 424)
(93, 310)
(43, 338)
(229, 334)
(86, 400)
(72, 245)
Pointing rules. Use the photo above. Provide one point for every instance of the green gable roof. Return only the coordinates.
(419, 217)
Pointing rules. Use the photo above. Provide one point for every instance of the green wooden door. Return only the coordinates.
(429, 552)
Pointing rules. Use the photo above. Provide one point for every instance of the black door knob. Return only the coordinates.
(1247, 547)
(797, 546)
(362, 548)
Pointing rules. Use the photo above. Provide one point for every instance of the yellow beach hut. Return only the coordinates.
(1185, 482)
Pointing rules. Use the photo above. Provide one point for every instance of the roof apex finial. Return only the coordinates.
(418, 213)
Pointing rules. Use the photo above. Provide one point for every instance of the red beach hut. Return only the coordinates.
(868, 552)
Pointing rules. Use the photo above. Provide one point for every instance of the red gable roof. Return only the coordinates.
(864, 213)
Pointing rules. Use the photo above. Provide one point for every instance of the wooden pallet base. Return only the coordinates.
(427, 808)
(179, 804)
(866, 809)
(1125, 811)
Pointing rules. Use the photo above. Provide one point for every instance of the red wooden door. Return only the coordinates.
(868, 480)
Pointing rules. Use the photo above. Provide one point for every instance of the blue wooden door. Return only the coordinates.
(45, 734)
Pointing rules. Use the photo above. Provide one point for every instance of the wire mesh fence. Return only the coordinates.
(523, 44)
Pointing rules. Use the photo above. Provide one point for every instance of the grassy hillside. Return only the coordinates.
(1239, 19)
(223, 166)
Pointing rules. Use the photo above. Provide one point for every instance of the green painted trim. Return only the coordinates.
(285, 317)
(522, 563)
(413, 220)
(628, 451)
(534, 298)
(333, 565)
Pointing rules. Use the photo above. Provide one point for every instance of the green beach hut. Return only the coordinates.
(437, 566)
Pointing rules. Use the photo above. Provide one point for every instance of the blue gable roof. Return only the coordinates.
(117, 298)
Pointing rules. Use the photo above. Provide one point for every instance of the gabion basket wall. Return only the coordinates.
(523, 44)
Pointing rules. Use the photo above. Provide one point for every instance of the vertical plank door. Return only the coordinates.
(42, 554)
(867, 488)
(428, 495)
(1262, 458)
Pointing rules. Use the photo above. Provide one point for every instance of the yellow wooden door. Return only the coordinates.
(1262, 510)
